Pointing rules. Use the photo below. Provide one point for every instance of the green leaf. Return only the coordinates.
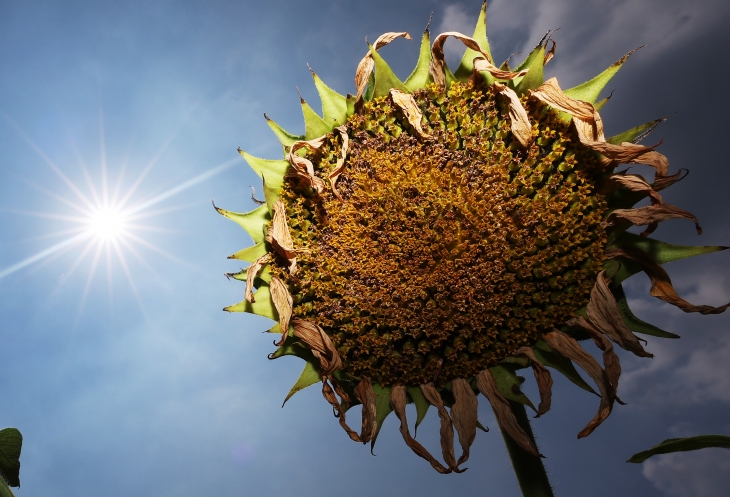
(287, 139)
(589, 91)
(630, 134)
(480, 35)
(314, 126)
(385, 78)
(250, 254)
(681, 445)
(635, 324)
(334, 105)
(534, 65)
(420, 402)
(382, 409)
(508, 384)
(561, 364)
(421, 77)
(263, 305)
(658, 251)
(11, 442)
(309, 376)
(253, 221)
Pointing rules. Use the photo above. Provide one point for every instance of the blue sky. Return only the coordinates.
(150, 389)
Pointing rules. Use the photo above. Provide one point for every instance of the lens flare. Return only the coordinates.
(107, 224)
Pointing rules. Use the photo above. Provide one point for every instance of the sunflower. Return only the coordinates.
(425, 239)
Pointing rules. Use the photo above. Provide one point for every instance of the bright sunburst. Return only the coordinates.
(107, 223)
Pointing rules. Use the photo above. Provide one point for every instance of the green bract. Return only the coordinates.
(425, 239)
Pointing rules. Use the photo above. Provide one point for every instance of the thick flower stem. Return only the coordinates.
(529, 469)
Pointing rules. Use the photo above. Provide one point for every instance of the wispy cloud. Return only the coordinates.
(704, 473)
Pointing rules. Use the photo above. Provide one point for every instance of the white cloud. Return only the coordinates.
(703, 473)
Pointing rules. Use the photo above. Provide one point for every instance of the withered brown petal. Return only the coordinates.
(542, 377)
(549, 54)
(568, 347)
(652, 215)
(520, 122)
(342, 130)
(483, 65)
(253, 271)
(611, 362)
(279, 236)
(319, 343)
(464, 415)
(283, 302)
(366, 395)
(551, 93)
(663, 182)
(633, 182)
(366, 64)
(603, 313)
(503, 412)
(410, 109)
(398, 402)
(447, 431)
(661, 284)
(303, 168)
(329, 395)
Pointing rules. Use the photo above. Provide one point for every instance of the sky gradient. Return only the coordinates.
(134, 382)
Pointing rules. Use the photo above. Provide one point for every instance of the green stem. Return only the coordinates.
(529, 469)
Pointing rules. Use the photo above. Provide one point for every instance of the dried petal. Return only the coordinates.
(253, 271)
(438, 64)
(407, 104)
(661, 284)
(502, 410)
(279, 236)
(603, 313)
(610, 360)
(464, 415)
(319, 343)
(549, 54)
(368, 408)
(398, 402)
(663, 182)
(283, 303)
(521, 127)
(633, 182)
(366, 395)
(652, 215)
(303, 168)
(366, 65)
(341, 161)
(568, 347)
(542, 377)
(447, 431)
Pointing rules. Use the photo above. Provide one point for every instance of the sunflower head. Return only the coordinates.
(425, 239)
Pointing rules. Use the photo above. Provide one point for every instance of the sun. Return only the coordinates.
(108, 224)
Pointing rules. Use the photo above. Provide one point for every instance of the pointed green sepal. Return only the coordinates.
(561, 364)
(250, 254)
(599, 105)
(658, 251)
(683, 444)
(466, 66)
(253, 221)
(535, 76)
(292, 346)
(589, 91)
(385, 78)
(421, 77)
(420, 402)
(271, 170)
(509, 384)
(287, 139)
(638, 132)
(263, 305)
(351, 99)
(382, 409)
(370, 88)
(635, 324)
(334, 105)
(309, 376)
(242, 275)
(314, 126)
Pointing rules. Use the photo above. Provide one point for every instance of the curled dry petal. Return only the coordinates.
(652, 215)
(366, 395)
(568, 347)
(366, 65)
(303, 168)
(329, 394)
(610, 360)
(410, 109)
(341, 161)
(438, 64)
(253, 271)
(661, 285)
(633, 182)
(283, 302)
(502, 410)
(549, 54)
(604, 315)
(398, 402)
(464, 415)
(663, 182)
(279, 236)
(542, 377)
(320, 344)
(447, 431)
(520, 123)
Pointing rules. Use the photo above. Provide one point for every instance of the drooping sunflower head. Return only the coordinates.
(425, 239)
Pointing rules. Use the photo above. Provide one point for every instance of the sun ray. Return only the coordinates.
(102, 158)
(174, 208)
(128, 274)
(76, 263)
(155, 248)
(89, 279)
(46, 236)
(47, 215)
(142, 260)
(42, 254)
(65, 201)
(84, 169)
